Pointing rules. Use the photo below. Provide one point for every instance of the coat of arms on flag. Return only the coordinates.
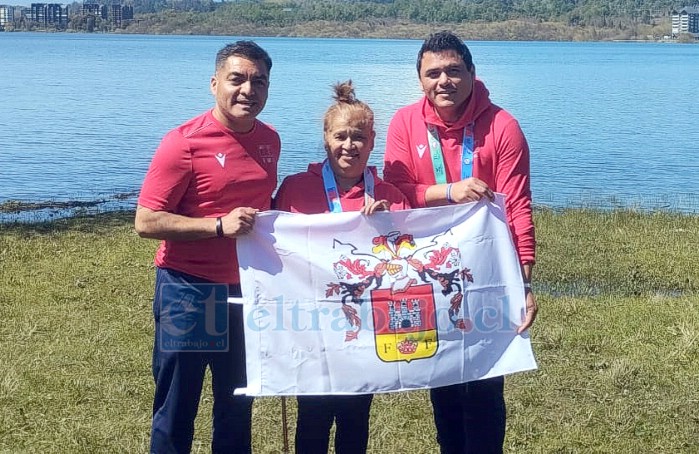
(405, 326)
(399, 276)
(344, 303)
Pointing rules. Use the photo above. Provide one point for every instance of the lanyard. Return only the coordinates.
(466, 158)
(333, 195)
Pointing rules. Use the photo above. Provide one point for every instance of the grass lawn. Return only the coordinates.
(617, 341)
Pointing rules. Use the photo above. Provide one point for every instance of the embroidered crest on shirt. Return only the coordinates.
(421, 149)
(221, 158)
(266, 154)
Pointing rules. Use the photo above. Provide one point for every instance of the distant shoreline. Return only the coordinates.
(511, 30)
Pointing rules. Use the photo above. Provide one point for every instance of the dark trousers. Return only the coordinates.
(179, 374)
(315, 418)
(470, 417)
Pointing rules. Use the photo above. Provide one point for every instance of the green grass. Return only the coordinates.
(617, 341)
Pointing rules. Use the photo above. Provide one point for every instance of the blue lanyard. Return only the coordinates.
(466, 158)
(333, 195)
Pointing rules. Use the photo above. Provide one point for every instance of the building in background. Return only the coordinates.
(94, 8)
(111, 13)
(114, 11)
(685, 21)
(119, 13)
(48, 14)
(7, 15)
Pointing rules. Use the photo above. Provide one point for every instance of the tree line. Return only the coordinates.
(291, 16)
(283, 13)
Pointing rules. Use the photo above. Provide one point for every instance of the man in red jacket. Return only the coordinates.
(456, 146)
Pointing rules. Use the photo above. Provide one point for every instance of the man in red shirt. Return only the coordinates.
(456, 146)
(207, 180)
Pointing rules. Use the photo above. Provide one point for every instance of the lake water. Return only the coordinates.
(609, 124)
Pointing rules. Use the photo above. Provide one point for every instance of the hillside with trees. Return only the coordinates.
(588, 20)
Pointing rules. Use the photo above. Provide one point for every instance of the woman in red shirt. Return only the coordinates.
(342, 182)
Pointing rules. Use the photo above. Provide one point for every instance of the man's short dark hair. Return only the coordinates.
(443, 41)
(245, 49)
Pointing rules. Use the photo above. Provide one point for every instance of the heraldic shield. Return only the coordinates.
(405, 326)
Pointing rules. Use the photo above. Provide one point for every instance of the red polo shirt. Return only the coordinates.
(203, 169)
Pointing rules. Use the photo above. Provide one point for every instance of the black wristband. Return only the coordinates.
(219, 227)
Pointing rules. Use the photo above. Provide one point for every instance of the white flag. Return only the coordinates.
(343, 303)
